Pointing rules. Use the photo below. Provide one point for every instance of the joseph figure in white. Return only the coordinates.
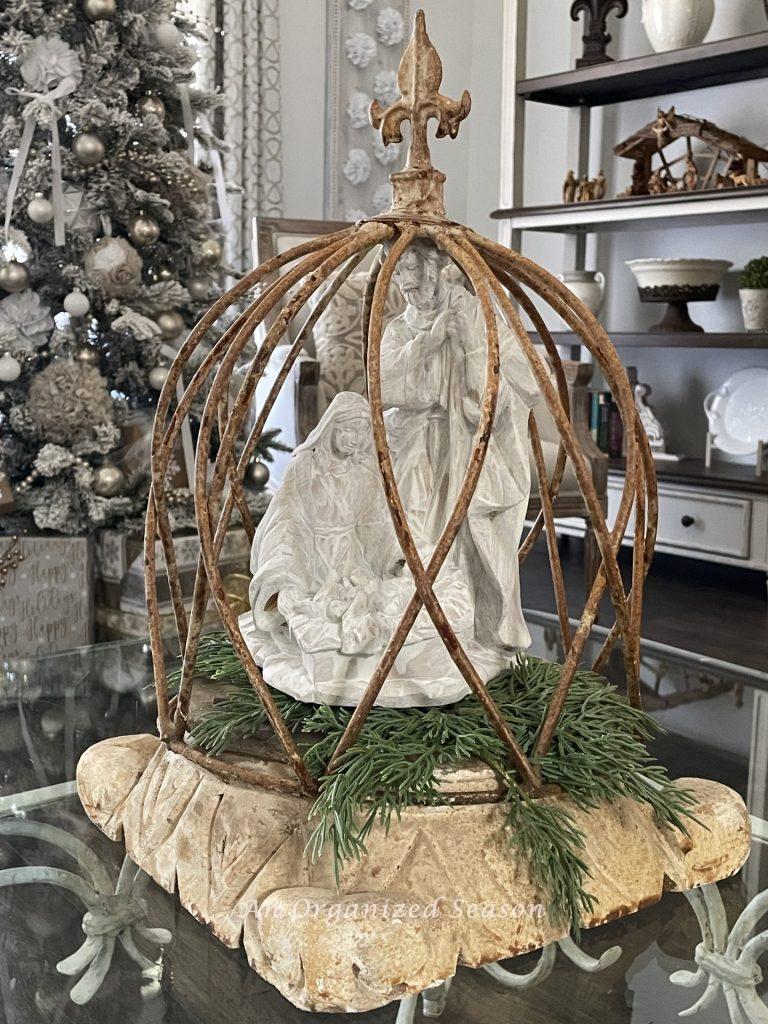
(433, 370)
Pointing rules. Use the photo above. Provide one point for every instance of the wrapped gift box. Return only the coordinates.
(46, 601)
(121, 608)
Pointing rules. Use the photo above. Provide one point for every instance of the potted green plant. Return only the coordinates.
(753, 289)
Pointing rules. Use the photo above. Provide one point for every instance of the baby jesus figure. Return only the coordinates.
(330, 585)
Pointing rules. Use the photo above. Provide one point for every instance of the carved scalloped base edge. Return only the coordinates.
(442, 888)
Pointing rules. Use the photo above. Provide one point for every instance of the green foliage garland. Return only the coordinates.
(598, 754)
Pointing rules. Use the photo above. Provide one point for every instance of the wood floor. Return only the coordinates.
(715, 610)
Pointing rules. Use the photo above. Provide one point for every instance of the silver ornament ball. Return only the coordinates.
(10, 368)
(171, 324)
(108, 480)
(199, 287)
(76, 303)
(256, 475)
(167, 35)
(88, 149)
(211, 250)
(99, 10)
(151, 104)
(144, 230)
(158, 376)
(87, 355)
(40, 209)
(14, 276)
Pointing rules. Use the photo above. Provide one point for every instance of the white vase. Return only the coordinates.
(587, 285)
(737, 18)
(673, 24)
(754, 307)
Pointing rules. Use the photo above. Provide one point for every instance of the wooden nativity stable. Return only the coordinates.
(707, 157)
(230, 830)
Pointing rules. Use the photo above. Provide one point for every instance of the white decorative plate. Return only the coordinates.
(738, 412)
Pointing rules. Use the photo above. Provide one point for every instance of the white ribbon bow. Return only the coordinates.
(66, 87)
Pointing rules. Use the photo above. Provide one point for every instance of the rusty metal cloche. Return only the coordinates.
(504, 282)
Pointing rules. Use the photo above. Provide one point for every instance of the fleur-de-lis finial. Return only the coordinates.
(418, 188)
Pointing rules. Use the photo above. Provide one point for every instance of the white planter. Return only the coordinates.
(754, 307)
(673, 24)
(587, 285)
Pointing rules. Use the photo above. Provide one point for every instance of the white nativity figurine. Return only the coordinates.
(329, 578)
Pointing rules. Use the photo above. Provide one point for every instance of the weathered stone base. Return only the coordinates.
(442, 888)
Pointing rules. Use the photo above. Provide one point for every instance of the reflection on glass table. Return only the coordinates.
(138, 957)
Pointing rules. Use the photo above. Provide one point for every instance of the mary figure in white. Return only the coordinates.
(329, 583)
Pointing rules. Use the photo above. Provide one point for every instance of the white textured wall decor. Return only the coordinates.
(365, 41)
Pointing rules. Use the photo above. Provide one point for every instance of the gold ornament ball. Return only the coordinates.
(171, 324)
(10, 368)
(40, 209)
(88, 355)
(76, 303)
(88, 149)
(164, 274)
(256, 475)
(99, 10)
(14, 276)
(211, 250)
(108, 480)
(199, 287)
(144, 230)
(158, 376)
(151, 104)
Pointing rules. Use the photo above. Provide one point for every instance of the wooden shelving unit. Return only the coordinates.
(724, 206)
(727, 476)
(697, 67)
(718, 514)
(691, 339)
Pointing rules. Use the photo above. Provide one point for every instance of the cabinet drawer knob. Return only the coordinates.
(687, 521)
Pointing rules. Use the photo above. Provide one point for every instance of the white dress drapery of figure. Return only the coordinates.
(433, 407)
(329, 584)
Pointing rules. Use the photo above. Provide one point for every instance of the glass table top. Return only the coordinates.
(53, 708)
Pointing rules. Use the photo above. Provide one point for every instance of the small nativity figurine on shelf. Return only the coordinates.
(678, 153)
(583, 190)
(371, 734)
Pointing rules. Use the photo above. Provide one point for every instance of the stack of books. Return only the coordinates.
(605, 423)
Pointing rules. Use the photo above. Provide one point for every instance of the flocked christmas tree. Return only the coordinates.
(107, 253)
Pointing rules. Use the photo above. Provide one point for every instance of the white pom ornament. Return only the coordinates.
(40, 209)
(76, 303)
(10, 368)
(167, 35)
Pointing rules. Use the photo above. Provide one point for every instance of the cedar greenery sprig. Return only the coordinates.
(598, 754)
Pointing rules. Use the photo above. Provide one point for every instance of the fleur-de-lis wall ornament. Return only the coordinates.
(419, 187)
(596, 36)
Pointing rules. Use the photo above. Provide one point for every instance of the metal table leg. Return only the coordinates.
(727, 963)
(113, 913)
